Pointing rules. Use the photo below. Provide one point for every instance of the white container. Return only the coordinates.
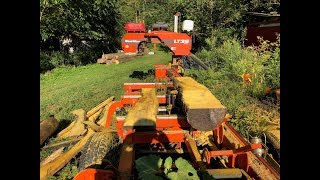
(187, 25)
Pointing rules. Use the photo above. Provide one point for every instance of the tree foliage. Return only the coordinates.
(150, 167)
(101, 22)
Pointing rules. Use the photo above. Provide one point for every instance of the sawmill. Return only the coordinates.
(174, 115)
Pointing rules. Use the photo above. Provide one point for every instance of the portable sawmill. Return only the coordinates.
(179, 43)
(180, 116)
(174, 115)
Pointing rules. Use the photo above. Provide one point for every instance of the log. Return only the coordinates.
(273, 136)
(204, 111)
(78, 126)
(53, 156)
(52, 167)
(98, 107)
(102, 121)
(114, 61)
(101, 61)
(65, 130)
(145, 111)
(91, 115)
(94, 117)
(94, 126)
(47, 128)
(105, 56)
(97, 128)
(61, 144)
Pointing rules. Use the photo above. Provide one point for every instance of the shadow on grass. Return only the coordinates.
(63, 123)
(142, 75)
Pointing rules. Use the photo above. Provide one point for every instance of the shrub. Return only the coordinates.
(229, 61)
(45, 63)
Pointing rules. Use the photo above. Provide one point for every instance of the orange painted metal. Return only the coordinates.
(134, 88)
(154, 137)
(249, 147)
(243, 142)
(236, 158)
(169, 123)
(173, 72)
(179, 44)
(218, 131)
(135, 27)
(160, 71)
(131, 41)
(173, 129)
(94, 174)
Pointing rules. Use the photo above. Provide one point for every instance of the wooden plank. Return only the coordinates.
(145, 111)
(194, 151)
(204, 111)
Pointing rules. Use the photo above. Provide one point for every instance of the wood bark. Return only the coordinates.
(53, 156)
(61, 144)
(204, 111)
(47, 128)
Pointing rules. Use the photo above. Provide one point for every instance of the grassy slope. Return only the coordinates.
(69, 88)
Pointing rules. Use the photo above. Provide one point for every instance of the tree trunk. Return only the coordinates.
(47, 128)
(204, 111)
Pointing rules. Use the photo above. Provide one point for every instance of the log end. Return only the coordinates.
(47, 128)
(205, 119)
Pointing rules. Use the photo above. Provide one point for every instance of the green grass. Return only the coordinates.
(68, 88)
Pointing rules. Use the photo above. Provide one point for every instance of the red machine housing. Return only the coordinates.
(179, 44)
(135, 27)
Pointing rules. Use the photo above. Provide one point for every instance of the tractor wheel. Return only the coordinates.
(101, 149)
